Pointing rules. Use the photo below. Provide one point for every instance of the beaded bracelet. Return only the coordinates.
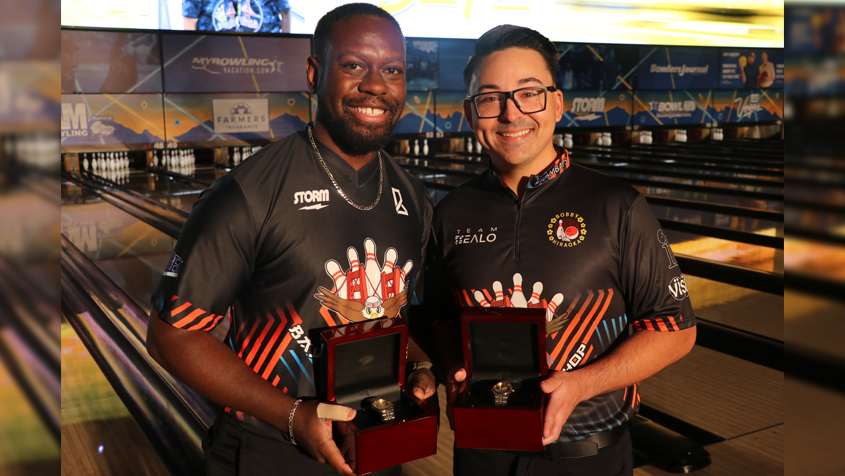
(290, 420)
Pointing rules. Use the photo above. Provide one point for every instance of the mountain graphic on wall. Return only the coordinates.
(453, 123)
(282, 126)
(410, 124)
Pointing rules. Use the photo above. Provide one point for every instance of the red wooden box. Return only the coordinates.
(502, 344)
(364, 360)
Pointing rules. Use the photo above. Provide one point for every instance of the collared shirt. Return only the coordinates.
(583, 246)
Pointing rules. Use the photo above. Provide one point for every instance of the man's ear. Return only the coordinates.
(558, 97)
(312, 72)
(468, 113)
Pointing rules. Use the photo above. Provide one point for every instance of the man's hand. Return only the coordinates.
(455, 384)
(565, 392)
(315, 434)
(422, 384)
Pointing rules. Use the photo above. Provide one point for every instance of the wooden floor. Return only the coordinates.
(99, 437)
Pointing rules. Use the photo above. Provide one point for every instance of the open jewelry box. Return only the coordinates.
(359, 365)
(504, 350)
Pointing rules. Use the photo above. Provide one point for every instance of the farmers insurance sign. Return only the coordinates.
(241, 115)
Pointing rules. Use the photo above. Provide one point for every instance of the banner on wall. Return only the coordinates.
(755, 68)
(450, 112)
(110, 62)
(454, 56)
(421, 65)
(105, 119)
(596, 67)
(668, 108)
(236, 64)
(748, 106)
(225, 117)
(596, 109)
(418, 115)
(667, 67)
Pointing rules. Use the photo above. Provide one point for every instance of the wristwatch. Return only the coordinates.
(384, 408)
(501, 392)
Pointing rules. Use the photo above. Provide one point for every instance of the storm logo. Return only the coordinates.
(369, 290)
(567, 229)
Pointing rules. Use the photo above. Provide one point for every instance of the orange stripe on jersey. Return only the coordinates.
(278, 353)
(466, 298)
(672, 321)
(214, 324)
(649, 326)
(285, 390)
(179, 309)
(598, 319)
(634, 397)
(240, 415)
(581, 329)
(202, 323)
(248, 338)
(276, 381)
(260, 339)
(661, 325)
(174, 298)
(325, 313)
(625, 395)
(189, 318)
(267, 349)
(292, 312)
(569, 309)
(572, 325)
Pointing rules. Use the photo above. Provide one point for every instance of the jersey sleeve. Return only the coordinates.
(212, 261)
(191, 8)
(655, 290)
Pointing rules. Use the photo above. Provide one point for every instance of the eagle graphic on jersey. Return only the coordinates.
(367, 291)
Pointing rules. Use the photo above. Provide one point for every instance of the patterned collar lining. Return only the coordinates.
(554, 169)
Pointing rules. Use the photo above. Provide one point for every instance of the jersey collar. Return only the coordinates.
(554, 169)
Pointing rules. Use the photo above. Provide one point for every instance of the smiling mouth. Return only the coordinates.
(369, 111)
(515, 134)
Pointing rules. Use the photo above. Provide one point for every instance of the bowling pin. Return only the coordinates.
(85, 162)
(425, 146)
(608, 141)
(333, 270)
(497, 289)
(518, 297)
(408, 148)
(552, 306)
(469, 144)
(479, 296)
(478, 147)
(371, 269)
(389, 260)
(416, 147)
(403, 276)
(535, 294)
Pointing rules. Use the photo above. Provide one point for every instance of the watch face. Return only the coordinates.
(382, 404)
(503, 388)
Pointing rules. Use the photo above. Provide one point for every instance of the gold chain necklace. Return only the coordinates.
(334, 182)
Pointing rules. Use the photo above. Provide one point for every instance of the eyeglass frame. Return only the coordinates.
(510, 95)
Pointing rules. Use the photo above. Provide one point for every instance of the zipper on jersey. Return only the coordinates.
(518, 220)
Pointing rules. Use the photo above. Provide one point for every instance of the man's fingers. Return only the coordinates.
(335, 412)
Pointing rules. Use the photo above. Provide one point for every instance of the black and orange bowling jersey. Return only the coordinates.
(584, 246)
(276, 242)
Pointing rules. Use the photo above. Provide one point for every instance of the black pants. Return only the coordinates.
(233, 448)
(613, 460)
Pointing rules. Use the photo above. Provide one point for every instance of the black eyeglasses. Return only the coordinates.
(528, 100)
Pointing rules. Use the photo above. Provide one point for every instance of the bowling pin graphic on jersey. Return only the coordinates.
(333, 269)
(518, 297)
(371, 269)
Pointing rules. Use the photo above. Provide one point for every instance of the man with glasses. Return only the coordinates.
(536, 231)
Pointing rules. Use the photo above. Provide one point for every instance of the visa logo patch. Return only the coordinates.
(173, 266)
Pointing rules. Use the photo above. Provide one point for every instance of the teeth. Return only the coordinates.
(518, 134)
(368, 111)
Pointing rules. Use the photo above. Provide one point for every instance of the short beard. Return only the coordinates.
(350, 141)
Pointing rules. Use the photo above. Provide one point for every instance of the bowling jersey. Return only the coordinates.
(584, 246)
(274, 241)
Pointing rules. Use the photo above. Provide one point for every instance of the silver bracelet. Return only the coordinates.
(290, 420)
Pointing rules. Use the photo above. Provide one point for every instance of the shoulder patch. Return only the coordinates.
(173, 266)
